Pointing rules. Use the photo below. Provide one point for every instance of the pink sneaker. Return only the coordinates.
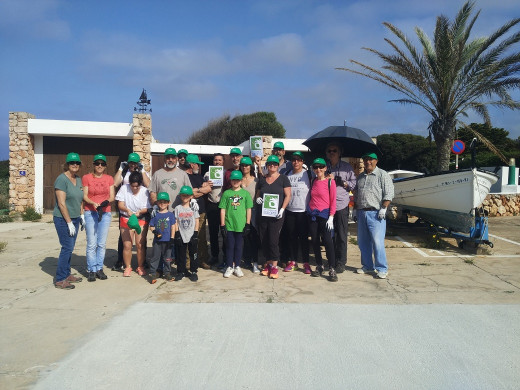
(307, 269)
(127, 272)
(291, 266)
(274, 273)
(140, 271)
(267, 270)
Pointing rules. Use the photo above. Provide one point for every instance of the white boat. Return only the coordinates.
(446, 199)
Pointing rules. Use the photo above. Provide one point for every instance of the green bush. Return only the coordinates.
(30, 214)
(3, 244)
(5, 218)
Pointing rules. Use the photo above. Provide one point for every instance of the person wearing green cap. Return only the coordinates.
(235, 222)
(181, 155)
(251, 240)
(133, 200)
(67, 217)
(201, 189)
(236, 156)
(345, 180)
(168, 179)
(98, 193)
(284, 166)
(373, 194)
(213, 212)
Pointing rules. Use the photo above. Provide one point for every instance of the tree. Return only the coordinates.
(227, 131)
(452, 75)
(406, 151)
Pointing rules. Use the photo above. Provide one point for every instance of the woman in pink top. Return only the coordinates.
(321, 209)
(98, 193)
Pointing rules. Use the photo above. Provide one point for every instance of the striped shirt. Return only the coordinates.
(373, 188)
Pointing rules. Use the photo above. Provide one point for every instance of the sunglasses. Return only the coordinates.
(319, 167)
(74, 163)
(102, 163)
(332, 151)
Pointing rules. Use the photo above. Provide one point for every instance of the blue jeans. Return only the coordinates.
(234, 247)
(96, 239)
(67, 246)
(371, 239)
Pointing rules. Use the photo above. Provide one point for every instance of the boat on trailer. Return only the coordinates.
(447, 199)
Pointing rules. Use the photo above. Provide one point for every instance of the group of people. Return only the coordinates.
(272, 208)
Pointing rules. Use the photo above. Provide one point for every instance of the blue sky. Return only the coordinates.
(199, 60)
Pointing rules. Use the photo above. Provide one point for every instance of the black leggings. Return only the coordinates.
(269, 231)
(181, 258)
(297, 225)
(317, 229)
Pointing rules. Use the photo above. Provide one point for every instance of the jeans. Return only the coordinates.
(234, 245)
(97, 233)
(67, 246)
(371, 239)
(341, 235)
(162, 251)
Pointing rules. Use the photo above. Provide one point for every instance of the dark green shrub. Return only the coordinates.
(30, 214)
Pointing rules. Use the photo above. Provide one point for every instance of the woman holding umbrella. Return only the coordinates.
(272, 185)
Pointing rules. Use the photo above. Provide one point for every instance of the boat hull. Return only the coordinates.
(447, 199)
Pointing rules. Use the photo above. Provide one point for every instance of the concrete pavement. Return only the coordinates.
(46, 330)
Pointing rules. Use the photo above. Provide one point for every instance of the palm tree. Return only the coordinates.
(452, 75)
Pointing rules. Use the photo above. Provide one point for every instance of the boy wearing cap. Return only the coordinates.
(187, 234)
(163, 227)
(235, 218)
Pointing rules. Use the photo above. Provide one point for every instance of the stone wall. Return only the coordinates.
(142, 125)
(21, 162)
(498, 205)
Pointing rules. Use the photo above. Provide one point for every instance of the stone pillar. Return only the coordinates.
(21, 162)
(142, 125)
(267, 145)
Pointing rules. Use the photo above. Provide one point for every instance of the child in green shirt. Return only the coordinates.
(235, 217)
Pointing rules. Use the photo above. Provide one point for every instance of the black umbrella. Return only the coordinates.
(355, 142)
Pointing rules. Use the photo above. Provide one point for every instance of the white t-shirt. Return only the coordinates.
(133, 202)
(300, 191)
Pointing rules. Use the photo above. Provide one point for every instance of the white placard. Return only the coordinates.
(256, 146)
(216, 175)
(270, 205)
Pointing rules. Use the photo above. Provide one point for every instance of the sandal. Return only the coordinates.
(127, 272)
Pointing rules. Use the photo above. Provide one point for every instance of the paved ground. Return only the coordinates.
(443, 319)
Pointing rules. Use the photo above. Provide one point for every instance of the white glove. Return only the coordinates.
(82, 222)
(194, 205)
(382, 213)
(259, 200)
(330, 223)
(154, 211)
(123, 165)
(280, 213)
(72, 229)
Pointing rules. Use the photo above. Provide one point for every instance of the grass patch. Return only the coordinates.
(270, 300)
(5, 218)
(30, 214)
(352, 240)
(469, 261)
(3, 245)
(434, 241)
(424, 264)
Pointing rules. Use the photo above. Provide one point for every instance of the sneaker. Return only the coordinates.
(256, 270)
(222, 266)
(152, 278)
(382, 275)
(267, 270)
(229, 272)
(238, 272)
(193, 276)
(364, 271)
(291, 266)
(307, 269)
(340, 268)
(101, 275)
(333, 277)
(91, 277)
(179, 276)
(64, 284)
(127, 272)
(73, 279)
(274, 273)
(140, 271)
(318, 271)
(118, 266)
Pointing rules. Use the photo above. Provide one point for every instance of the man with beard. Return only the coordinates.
(181, 155)
(200, 190)
(236, 155)
(279, 151)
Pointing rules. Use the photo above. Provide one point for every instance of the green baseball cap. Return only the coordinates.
(182, 151)
(370, 155)
(246, 161)
(298, 155)
(273, 159)
(319, 161)
(279, 145)
(186, 190)
(134, 157)
(100, 157)
(170, 152)
(133, 223)
(193, 159)
(73, 157)
(235, 151)
(163, 196)
(236, 175)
